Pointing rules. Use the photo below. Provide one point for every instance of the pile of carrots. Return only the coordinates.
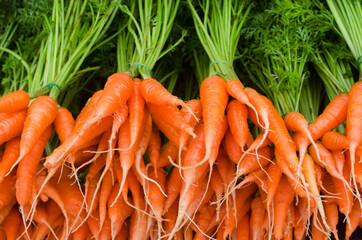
(113, 177)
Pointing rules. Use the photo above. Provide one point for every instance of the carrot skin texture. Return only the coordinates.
(64, 124)
(335, 141)
(214, 99)
(11, 154)
(14, 101)
(237, 114)
(27, 167)
(243, 230)
(11, 224)
(41, 113)
(11, 125)
(282, 199)
(136, 104)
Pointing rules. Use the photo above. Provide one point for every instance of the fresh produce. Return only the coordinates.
(267, 146)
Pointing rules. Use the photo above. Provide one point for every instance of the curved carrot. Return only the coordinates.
(11, 154)
(11, 125)
(275, 174)
(64, 123)
(14, 101)
(256, 218)
(172, 116)
(153, 92)
(41, 113)
(167, 150)
(105, 191)
(27, 167)
(237, 115)
(173, 188)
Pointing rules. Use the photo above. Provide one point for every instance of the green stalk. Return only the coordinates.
(348, 15)
(143, 42)
(219, 32)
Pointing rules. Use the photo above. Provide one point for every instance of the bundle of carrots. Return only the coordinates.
(140, 163)
(247, 188)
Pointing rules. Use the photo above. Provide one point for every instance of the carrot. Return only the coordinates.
(153, 92)
(327, 162)
(117, 90)
(332, 216)
(27, 167)
(4, 211)
(256, 218)
(120, 210)
(335, 141)
(11, 224)
(123, 233)
(283, 198)
(258, 142)
(53, 213)
(218, 187)
(26, 233)
(231, 222)
(251, 163)
(296, 122)
(11, 125)
(237, 115)
(172, 116)
(354, 127)
(106, 188)
(14, 101)
(232, 148)
(170, 132)
(204, 216)
(275, 175)
(11, 154)
(81, 233)
(41, 113)
(106, 232)
(136, 104)
(225, 167)
(214, 99)
(138, 225)
(90, 192)
(155, 197)
(310, 177)
(154, 146)
(355, 219)
(64, 123)
(167, 150)
(173, 188)
(345, 197)
(119, 117)
(243, 227)
(170, 217)
(75, 142)
(339, 158)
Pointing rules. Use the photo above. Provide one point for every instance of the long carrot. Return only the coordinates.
(154, 147)
(14, 101)
(27, 167)
(136, 104)
(237, 114)
(11, 154)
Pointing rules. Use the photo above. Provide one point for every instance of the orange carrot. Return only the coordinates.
(232, 148)
(154, 146)
(256, 218)
(218, 187)
(41, 113)
(214, 99)
(136, 104)
(7, 190)
(354, 127)
(251, 162)
(275, 174)
(167, 150)
(91, 194)
(153, 92)
(283, 198)
(231, 222)
(11, 125)
(11, 154)
(105, 191)
(204, 216)
(27, 167)
(335, 141)
(355, 219)
(172, 116)
(237, 115)
(332, 216)
(11, 224)
(4, 211)
(173, 188)
(243, 227)
(64, 123)
(14, 101)
(339, 158)
(170, 132)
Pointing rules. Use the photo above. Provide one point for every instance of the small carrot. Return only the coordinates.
(11, 154)
(251, 162)
(64, 123)
(218, 187)
(170, 132)
(11, 224)
(11, 125)
(153, 92)
(232, 148)
(256, 218)
(173, 188)
(237, 115)
(154, 147)
(243, 227)
(14, 101)
(106, 188)
(27, 167)
(332, 216)
(168, 150)
(283, 198)
(275, 175)
(335, 141)
(355, 219)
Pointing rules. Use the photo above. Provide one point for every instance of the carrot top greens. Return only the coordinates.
(281, 40)
(218, 25)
